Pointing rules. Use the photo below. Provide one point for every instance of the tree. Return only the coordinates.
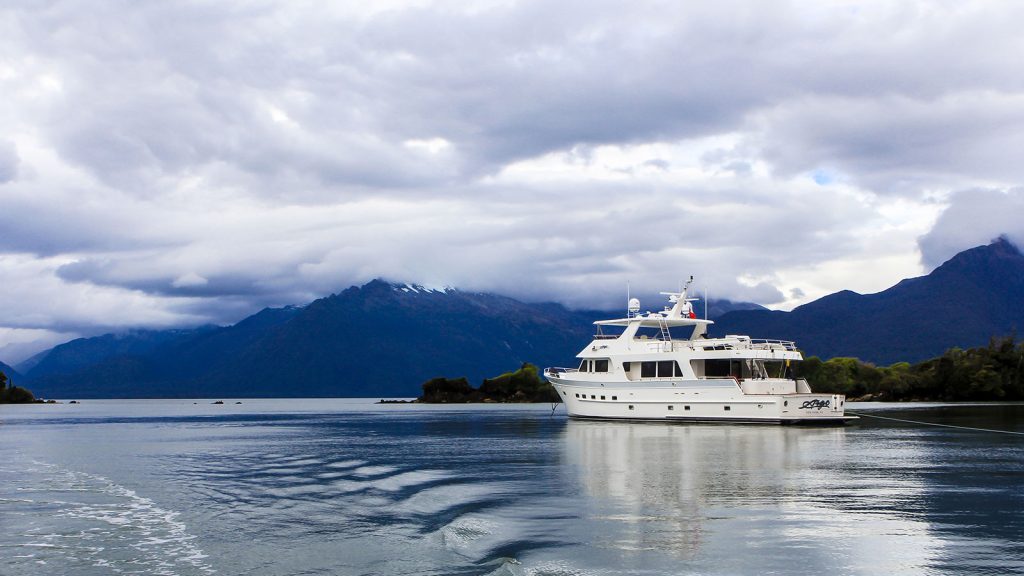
(993, 372)
(444, 390)
(10, 394)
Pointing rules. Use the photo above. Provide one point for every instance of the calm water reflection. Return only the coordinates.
(342, 487)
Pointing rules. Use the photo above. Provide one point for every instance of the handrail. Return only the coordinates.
(557, 370)
(762, 343)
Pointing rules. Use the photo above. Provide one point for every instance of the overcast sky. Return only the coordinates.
(173, 164)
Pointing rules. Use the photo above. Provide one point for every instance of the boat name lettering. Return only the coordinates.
(819, 404)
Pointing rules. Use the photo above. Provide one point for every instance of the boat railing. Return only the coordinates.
(768, 344)
(558, 370)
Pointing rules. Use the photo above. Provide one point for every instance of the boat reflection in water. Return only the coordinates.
(729, 499)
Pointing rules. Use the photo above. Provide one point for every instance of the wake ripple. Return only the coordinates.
(477, 518)
(73, 519)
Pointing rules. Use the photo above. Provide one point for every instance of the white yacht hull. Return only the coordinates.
(695, 401)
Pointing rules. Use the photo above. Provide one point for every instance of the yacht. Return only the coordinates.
(663, 366)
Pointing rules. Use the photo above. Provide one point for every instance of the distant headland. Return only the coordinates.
(11, 394)
(521, 386)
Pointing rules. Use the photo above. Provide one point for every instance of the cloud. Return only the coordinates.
(189, 280)
(974, 217)
(34, 297)
(20, 344)
(8, 162)
(168, 165)
(896, 144)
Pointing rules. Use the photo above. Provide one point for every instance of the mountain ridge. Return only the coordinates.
(310, 350)
(973, 296)
(11, 373)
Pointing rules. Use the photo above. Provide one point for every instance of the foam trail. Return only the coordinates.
(114, 528)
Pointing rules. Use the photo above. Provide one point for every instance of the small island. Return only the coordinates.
(522, 386)
(10, 394)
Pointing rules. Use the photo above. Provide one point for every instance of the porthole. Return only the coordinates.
(785, 403)
(630, 406)
(686, 407)
(728, 408)
(602, 397)
(671, 407)
(615, 397)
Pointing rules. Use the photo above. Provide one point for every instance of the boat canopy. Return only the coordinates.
(654, 321)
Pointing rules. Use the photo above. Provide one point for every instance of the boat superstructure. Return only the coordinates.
(663, 366)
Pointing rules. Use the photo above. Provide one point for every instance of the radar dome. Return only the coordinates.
(634, 305)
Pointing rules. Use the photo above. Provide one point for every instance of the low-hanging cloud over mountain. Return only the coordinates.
(181, 163)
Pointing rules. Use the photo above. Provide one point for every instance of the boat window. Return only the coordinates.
(648, 369)
(648, 333)
(592, 397)
(625, 366)
(600, 365)
(728, 407)
(630, 406)
(686, 407)
(775, 369)
(679, 371)
(717, 369)
(602, 397)
(666, 368)
(615, 397)
(583, 365)
(671, 407)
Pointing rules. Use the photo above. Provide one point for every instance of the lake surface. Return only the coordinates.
(272, 487)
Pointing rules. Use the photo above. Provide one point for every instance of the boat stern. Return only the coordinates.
(813, 407)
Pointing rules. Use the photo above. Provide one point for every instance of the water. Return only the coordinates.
(272, 487)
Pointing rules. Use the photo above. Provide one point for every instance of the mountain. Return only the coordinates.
(718, 308)
(977, 294)
(383, 339)
(143, 363)
(84, 352)
(11, 373)
(27, 364)
(380, 339)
